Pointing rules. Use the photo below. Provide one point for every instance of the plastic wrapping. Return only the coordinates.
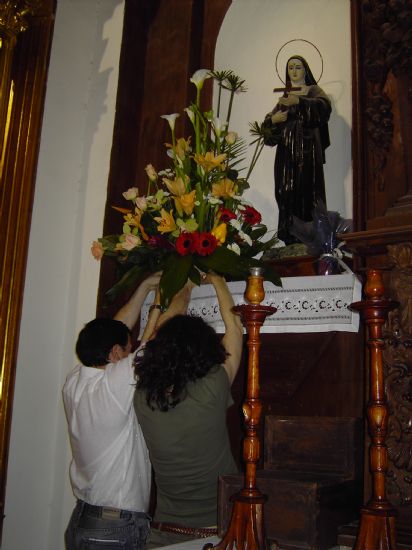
(320, 238)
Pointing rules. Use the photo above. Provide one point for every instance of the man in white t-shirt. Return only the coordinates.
(110, 472)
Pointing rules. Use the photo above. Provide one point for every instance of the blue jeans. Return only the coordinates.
(98, 528)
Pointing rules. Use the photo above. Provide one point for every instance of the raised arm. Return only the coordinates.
(130, 312)
(233, 338)
(177, 306)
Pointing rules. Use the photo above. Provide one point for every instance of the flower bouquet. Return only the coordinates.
(193, 218)
(320, 238)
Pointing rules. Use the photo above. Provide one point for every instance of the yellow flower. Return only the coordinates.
(133, 219)
(166, 222)
(185, 203)
(177, 186)
(209, 161)
(220, 233)
(225, 188)
(181, 148)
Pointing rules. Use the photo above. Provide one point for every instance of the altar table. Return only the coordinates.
(304, 304)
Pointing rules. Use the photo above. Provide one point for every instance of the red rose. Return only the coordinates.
(251, 216)
(186, 243)
(225, 215)
(206, 244)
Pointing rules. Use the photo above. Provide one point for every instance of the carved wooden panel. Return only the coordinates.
(383, 167)
(398, 365)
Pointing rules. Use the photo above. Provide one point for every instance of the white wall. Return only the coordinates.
(62, 276)
(252, 33)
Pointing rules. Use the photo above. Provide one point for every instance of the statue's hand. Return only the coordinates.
(279, 116)
(291, 99)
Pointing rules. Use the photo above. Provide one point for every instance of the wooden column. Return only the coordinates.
(377, 524)
(246, 529)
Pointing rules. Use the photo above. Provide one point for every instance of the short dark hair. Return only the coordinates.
(184, 349)
(97, 338)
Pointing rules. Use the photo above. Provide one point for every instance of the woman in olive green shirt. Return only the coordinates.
(183, 391)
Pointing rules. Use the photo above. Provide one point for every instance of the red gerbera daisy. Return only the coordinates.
(206, 244)
(251, 216)
(225, 215)
(186, 243)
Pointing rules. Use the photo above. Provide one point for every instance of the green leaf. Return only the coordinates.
(175, 274)
(270, 274)
(194, 276)
(258, 231)
(129, 279)
(225, 262)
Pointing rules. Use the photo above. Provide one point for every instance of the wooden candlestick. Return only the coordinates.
(377, 523)
(246, 528)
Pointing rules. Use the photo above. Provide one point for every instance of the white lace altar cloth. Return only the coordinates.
(304, 304)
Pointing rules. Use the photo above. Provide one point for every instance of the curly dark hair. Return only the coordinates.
(185, 348)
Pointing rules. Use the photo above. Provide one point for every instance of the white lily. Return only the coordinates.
(236, 224)
(199, 77)
(190, 113)
(245, 238)
(171, 119)
(218, 126)
(234, 248)
(213, 200)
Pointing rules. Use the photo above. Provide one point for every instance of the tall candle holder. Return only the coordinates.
(246, 528)
(377, 523)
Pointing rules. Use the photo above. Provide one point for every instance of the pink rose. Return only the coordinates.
(130, 241)
(97, 250)
(131, 194)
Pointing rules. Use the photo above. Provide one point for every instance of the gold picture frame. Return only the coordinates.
(26, 28)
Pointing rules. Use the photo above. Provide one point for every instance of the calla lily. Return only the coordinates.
(220, 232)
(191, 114)
(166, 222)
(171, 119)
(218, 126)
(199, 78)
(209, 161)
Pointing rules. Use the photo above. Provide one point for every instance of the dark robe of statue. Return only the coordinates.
(301, 142)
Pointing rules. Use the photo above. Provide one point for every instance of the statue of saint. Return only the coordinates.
(298, 126)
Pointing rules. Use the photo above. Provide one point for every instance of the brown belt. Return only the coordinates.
(197, 532)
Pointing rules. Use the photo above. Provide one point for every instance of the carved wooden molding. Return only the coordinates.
(398, 379)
